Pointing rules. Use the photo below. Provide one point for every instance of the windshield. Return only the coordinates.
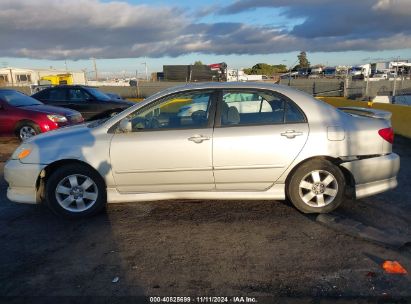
(98, 94)
(98, 122)
(18, 99)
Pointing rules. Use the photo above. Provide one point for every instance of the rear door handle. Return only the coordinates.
(291, 133)
(198, 138)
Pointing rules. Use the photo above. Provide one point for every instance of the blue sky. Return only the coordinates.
(125, 34)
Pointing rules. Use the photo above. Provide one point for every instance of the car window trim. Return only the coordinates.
(258, 91)
(211, 116)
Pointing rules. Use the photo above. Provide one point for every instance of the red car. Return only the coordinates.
(25, 117)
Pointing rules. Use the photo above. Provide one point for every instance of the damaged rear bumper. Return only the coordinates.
(374, 175)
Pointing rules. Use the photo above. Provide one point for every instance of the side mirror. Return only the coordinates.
(125, 125)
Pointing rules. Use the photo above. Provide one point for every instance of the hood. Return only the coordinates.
(67, 142)
(123, 102)
(50, 110)
(66, 134)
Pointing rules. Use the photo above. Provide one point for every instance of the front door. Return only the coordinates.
(169, 148)
(257, 136)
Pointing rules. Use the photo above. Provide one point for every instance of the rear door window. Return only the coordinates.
(254, 107)
(57, 94)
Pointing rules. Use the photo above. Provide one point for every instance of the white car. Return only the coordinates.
(210, 141)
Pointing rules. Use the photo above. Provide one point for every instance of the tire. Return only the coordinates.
(27, 129)
(113, 113)
(75, 191)
(317, 186)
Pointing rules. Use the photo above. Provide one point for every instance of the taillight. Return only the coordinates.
(387, 134)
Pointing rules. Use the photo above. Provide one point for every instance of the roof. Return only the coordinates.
(229, 85)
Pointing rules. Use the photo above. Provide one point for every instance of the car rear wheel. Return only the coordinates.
(317, 186)
(75, 191)
(27, 130)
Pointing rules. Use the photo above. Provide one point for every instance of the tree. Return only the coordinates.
(303, 61)
(266, 69)
(198, 62)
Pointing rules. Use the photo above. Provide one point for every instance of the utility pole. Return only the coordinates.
(346, 84)
(367, 84)
(95, 68)
(85, 75)
(11, 77)
(395, 79)
(65, 63)
(137, 86)
(145, 64)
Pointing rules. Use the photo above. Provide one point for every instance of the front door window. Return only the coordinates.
(189, 110)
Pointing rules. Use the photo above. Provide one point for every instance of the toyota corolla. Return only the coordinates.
(25, 117)
(231, 141)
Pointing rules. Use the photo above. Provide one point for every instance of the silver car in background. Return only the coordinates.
(210, 141)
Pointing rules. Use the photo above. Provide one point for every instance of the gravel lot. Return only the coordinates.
(204, 248)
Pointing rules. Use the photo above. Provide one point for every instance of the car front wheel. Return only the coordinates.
(26, 130)
(75, 191)
(317, 186)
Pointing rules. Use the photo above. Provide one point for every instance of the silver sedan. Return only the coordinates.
(210, 141)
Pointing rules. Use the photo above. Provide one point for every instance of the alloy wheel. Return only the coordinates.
(318, 188)
(76, 193)
(26, 132)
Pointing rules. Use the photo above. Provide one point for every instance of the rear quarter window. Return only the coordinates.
(293, 114)
(42, 95)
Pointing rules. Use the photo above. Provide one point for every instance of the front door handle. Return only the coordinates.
(198, 138)
(291, 133)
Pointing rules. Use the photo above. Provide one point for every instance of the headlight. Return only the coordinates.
(22, 152)
(56, 118)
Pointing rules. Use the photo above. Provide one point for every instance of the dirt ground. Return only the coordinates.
(258, 249)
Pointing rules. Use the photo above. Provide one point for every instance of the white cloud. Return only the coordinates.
(394, 7)
(80, 29)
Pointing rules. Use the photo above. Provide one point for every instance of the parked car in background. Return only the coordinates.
(25, 117)
(114, 96)
(89, 101)
(211, 141)
(404, 100)
(330, 72)
(380, 75)
(304, 72)
(292, 74)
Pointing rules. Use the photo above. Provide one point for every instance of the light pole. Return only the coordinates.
(289, 72)
(395, 78)
(145, 64)
(95, 68)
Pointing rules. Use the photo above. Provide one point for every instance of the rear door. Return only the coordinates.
(54, 97)
(7, 119)
(257, 136)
